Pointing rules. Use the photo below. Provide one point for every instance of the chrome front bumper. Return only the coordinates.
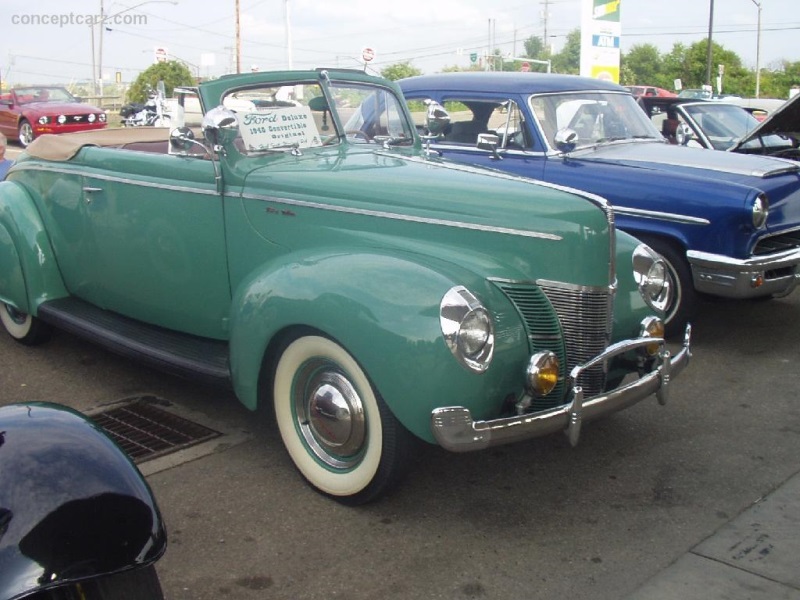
(455, 430)
(745, 278)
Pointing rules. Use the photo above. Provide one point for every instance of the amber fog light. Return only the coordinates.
(542, 373)
(653, 327)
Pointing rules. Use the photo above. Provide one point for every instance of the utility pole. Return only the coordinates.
(758, 51)
(238, 41)
(288, 37)
(708, 51)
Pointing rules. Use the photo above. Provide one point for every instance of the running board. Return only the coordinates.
(178, 353)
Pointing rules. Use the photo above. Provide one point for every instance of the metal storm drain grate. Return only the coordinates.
(146, 431)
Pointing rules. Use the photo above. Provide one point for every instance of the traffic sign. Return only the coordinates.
(367, 54)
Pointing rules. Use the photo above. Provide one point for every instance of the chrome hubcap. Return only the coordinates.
(329, 414)
(15, 315)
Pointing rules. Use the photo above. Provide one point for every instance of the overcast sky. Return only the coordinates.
(430, 34)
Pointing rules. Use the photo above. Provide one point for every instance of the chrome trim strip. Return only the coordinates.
(767, 261)
(402, 217)
(456, 431)
(660, 216)
(126, 180)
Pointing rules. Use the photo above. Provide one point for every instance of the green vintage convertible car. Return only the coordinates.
(303, 246)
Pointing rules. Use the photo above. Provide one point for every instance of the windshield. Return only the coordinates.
(300, 115)
(43, 94)
(597, 117)
(724, 125)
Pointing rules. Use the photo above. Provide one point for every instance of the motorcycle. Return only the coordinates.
(77, 519)
(153, 113)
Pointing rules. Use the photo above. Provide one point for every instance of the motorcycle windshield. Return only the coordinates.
(72, 505)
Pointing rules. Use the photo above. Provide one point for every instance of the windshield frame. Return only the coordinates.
(329, 107)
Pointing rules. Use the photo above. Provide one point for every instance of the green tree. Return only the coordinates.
(400, 71)
(173, 73)
(569, 59)
(535, 48)
(642, 65)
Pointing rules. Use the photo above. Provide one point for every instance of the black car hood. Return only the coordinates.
(785, 121)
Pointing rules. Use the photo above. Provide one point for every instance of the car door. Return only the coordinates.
(156, 247)
(471, 116)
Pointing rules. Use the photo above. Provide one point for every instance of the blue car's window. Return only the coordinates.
(596, 117)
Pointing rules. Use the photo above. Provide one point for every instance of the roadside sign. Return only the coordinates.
(161, 54)
(526, 66)
(367, 54)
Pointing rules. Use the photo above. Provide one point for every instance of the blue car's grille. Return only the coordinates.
(570, 321)
(777, 243)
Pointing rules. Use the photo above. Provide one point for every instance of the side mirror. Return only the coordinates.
(683, 134)
(490, 142)
(437, 118)
(566, 140)
(220, 125)
(181, 139)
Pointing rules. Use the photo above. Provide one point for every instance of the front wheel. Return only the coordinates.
(685, 298)
(23, 327)
(336, 428)
(26, 134)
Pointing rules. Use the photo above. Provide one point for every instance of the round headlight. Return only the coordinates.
(102, 117)
(44, 120)
(542, 373)
(62, 119)
(650, 273)
(468, 329)
(91, 118)
(760, 211)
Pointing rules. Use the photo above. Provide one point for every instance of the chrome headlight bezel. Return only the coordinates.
(760, 211)
(652, 277)
(61, 119)
(43, 120)
(468, 328)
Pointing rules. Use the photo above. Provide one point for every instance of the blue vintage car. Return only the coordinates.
(728, 225)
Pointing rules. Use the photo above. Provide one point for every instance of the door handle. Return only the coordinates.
(88, 191)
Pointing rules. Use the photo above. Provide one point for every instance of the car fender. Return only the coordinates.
(29, 273)
(384, 310)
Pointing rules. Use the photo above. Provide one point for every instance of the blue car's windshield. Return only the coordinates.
(597, 117)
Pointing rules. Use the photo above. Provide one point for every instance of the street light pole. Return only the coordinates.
(758, 51)
(708, 50)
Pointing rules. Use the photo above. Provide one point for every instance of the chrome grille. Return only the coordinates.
(777, 243)
(572, 321)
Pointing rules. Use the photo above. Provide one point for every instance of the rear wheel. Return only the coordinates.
(23, 327)
(26, 134)
(338, 431)
(685, 298)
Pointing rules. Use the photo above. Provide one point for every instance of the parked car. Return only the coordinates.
(723, 126)
(727, 225)
(649, 90)
(28, 112)
(77, 519)
(310, 253)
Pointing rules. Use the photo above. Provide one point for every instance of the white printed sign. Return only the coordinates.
(268, 128)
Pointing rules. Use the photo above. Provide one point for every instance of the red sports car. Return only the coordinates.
(28, 112)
